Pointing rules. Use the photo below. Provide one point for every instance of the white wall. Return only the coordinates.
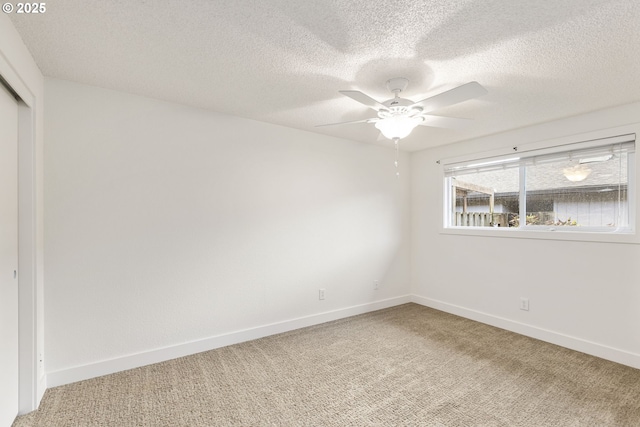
(168, 227)
(171, 230)
(19, 69)
(583, 295)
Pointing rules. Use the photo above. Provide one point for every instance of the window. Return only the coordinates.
(584, 187)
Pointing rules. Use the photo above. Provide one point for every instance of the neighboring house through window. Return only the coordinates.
(584, 187)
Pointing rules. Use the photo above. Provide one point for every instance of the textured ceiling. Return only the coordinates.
(283, 61)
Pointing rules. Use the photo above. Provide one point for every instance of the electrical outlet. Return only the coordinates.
(321, 294)
(524, 304)
(376, 285)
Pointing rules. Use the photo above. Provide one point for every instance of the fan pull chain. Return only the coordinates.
(395, 143)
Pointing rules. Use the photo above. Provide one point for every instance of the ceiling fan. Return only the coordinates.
(397, 117)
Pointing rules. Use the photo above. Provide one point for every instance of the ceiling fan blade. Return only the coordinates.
(445, 122)
(370, 120)
(453, 96)
(356, 95)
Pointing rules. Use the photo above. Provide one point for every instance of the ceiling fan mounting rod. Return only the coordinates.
(397, 85)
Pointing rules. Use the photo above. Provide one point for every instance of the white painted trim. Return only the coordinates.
(27, 246)
(573, 343)
(105, 367)
(30, 393)
(79, 373)
(13, 78)
(41, 389)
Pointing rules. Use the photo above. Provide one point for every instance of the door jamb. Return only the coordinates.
(30, 374)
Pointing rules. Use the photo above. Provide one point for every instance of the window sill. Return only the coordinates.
(568, 235)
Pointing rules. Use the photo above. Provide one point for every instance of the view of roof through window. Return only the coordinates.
(584, 189)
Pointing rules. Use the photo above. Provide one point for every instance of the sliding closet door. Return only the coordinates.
(8, 257)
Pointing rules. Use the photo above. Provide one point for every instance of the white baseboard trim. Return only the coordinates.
(573, 343)
(105, 367)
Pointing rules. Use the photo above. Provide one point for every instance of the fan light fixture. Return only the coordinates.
(397, 116)
(397, 126)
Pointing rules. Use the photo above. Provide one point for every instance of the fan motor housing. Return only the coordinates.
(398, 107)
(397, 102)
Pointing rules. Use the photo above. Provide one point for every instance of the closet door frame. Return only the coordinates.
(32, 380)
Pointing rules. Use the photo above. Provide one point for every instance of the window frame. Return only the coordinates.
(619, 235)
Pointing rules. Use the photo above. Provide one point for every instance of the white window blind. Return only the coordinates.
(582, 152)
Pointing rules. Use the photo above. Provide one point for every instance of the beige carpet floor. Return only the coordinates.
(404, 366)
